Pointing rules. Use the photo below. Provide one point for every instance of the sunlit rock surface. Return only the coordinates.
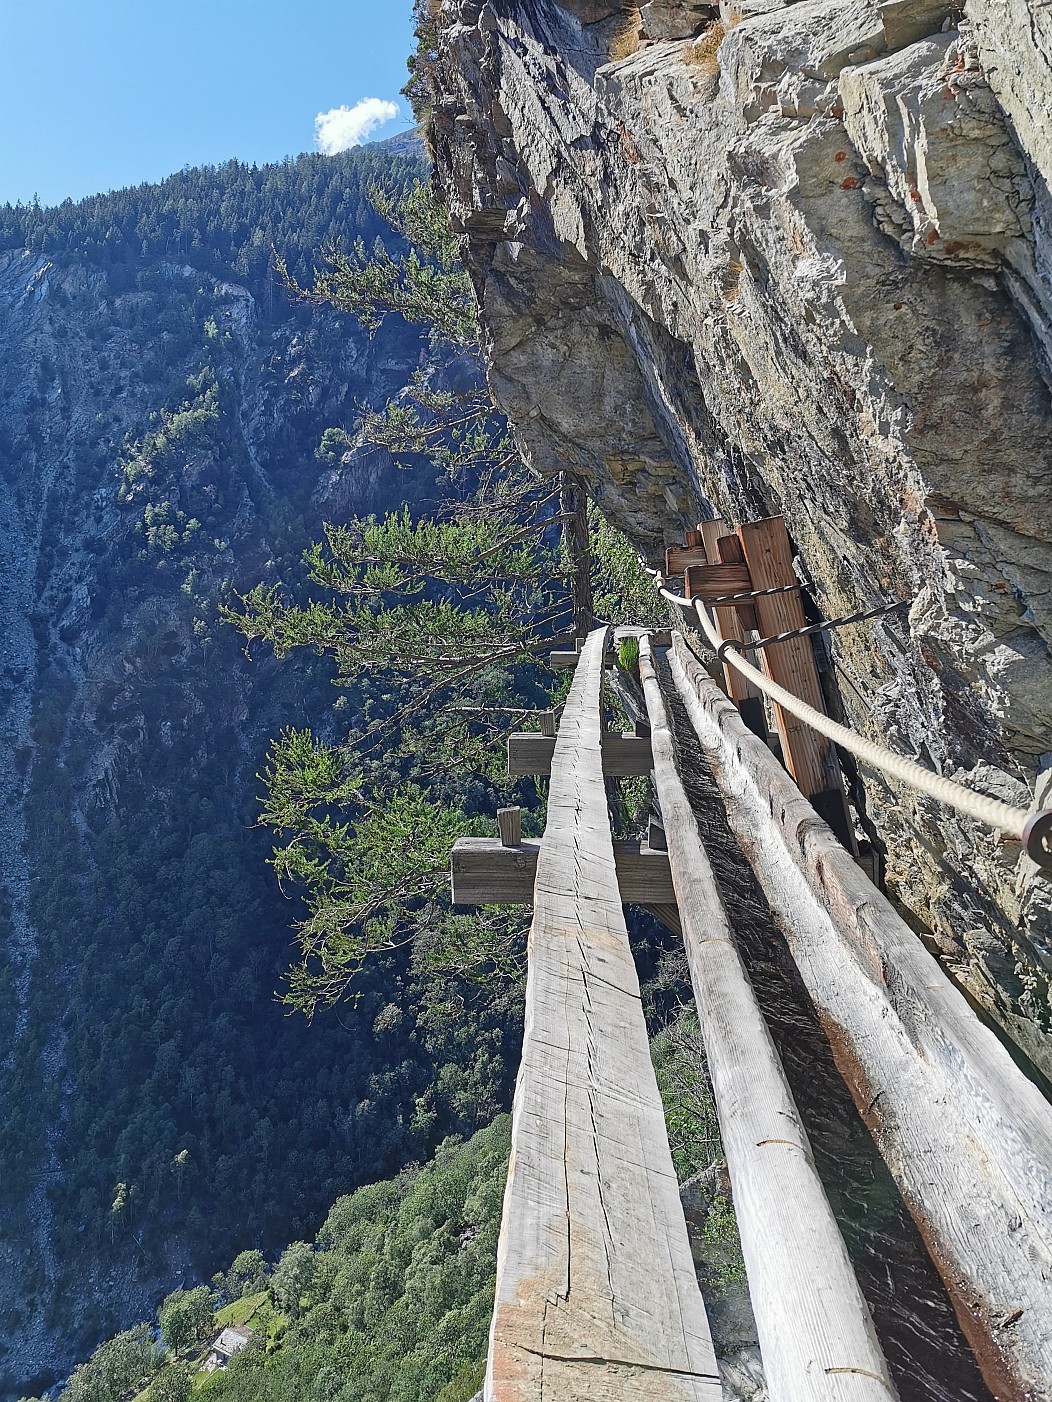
(794, 258)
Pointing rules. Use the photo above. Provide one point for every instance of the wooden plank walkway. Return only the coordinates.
(597, 1296)
(816, 1334)
(966, 1135)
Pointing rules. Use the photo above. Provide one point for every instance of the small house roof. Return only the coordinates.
(232, 1340)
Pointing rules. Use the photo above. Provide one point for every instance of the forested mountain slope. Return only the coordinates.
(161, 405)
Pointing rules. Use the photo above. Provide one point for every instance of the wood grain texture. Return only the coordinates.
(509, 824)
(486, 872)
(596, 1292)
(531, 753)
(730, 621)
(708, 582)
(680, 557)
(966, 1135)
(808, 756)
(816, 1335)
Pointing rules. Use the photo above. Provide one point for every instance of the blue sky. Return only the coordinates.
(97, 94)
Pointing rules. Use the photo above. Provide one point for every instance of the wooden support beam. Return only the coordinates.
(708, 582)
(509, 824)
(530, 753)
(680, 557)
(487, 872)
(563, 661)
(967, 1137)
(809, 757)
(546, 721)
(732, 623)
(597, 1297)
(816, 1335)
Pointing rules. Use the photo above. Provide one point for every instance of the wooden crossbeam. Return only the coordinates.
(563, 661)
(531, 753)
(486, 872)
(597, 1297)
(708, 582)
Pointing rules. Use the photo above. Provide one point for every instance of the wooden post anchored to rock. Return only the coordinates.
(596, 1292)
(758, 558)
(722, 546)
(809, 757)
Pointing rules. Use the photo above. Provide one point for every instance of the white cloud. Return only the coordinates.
(343, 127)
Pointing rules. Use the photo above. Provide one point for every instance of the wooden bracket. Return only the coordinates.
(509, 821)
(530, 753)
(680, 557)
(485, 872)
(708, 582)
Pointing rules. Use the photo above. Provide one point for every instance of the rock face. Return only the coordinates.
(794, 258)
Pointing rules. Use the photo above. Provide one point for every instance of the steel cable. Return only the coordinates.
(1033, 829)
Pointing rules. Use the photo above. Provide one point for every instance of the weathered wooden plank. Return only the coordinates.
(732, 622)
(809, 757)
(485, 872)
(596, 1292)
(815, 1331)
(531, 753)
(509, 824)
(966, 1135)
(708, 582)
(681, 557)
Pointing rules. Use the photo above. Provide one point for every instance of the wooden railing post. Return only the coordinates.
(809, 757)
(722, 546)
(509, 824)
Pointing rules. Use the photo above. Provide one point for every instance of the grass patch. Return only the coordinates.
(240, 1311)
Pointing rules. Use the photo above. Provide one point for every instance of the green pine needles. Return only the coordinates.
(434, 628)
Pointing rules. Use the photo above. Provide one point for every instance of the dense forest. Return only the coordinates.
(160, 431)
(224, 220)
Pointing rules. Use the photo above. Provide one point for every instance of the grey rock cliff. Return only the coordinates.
(795, 258)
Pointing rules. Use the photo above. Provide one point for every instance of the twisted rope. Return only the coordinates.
(1033, 829)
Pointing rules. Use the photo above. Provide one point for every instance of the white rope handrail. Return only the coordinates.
(1033, 829)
